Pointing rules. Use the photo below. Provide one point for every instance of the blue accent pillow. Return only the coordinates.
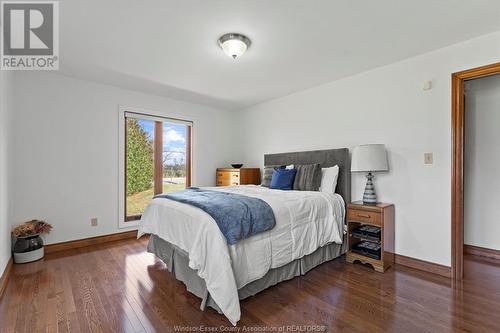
(283, 179)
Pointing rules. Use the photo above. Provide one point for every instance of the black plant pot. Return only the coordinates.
(28, 248)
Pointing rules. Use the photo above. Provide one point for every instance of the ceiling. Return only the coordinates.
(170, 48)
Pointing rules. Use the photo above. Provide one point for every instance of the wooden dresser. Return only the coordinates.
(379, 216)
(243, 176)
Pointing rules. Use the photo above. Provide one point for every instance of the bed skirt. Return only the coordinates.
(177, 262)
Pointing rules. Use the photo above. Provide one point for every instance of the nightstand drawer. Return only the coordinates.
(364, 216)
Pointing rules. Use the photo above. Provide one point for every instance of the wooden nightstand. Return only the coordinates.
(243, 176)
(380, 216)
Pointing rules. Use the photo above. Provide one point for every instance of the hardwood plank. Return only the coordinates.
(10, 304)
(119, 287)
(51, 318)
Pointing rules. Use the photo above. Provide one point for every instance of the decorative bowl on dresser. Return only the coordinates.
(242, 176)
(370, 231)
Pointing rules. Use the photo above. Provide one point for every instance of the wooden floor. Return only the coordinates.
(118, 287)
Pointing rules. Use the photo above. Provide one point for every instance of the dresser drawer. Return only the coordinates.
(228, 174)
(227, 182)
(223, 182)
(228, 178)
(364, 216)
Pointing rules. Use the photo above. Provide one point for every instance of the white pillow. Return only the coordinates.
(329, 178)
(290, 167)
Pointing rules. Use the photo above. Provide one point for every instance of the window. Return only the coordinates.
(157, 159)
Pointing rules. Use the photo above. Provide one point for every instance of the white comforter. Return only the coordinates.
(305, 221)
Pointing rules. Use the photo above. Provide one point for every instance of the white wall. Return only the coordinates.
(482, 158)
(386, 105)
(5, 112)
(66, 150)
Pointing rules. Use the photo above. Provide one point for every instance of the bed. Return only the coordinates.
(309, 230)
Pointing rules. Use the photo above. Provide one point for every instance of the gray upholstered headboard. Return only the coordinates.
(327, 158)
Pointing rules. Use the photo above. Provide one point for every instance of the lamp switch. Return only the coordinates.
(428, 158)
(93, 222)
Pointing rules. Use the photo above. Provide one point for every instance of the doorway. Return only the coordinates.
(457, 181)
(481, 161)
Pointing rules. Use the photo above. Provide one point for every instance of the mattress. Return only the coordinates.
(305, 221)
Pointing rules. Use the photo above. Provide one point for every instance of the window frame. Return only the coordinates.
(159, 118)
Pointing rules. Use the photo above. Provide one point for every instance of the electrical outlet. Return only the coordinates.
(93, 222)
(428, 158)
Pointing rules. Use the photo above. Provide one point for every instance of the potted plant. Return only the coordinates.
(28, 245)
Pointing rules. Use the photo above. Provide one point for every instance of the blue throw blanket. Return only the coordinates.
(238, 216)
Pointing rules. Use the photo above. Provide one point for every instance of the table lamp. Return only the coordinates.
(369, 158)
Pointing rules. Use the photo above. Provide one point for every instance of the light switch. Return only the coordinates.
(427, 85)
(428, 158)
(93, 222)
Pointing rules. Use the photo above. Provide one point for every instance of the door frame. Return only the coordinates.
(457, 168)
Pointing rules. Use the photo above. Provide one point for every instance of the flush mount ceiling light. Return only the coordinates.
(234, 45)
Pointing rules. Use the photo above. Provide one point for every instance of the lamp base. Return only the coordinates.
(369, 197)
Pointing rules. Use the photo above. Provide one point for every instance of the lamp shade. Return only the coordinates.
(366, 158)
